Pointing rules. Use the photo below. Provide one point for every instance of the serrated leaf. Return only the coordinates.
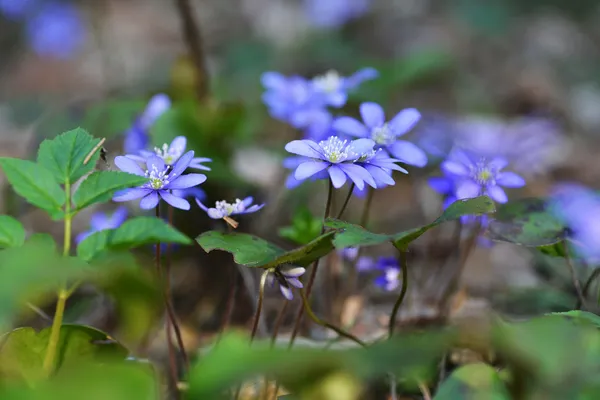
(35, 184)
(64, 155)
(473, 382)
(12, 233)
(252, 251)
(526, 222)
(101, 185)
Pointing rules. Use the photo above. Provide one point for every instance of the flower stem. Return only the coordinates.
(274, 334)
(403, 266)
(341, 212)
(63, 293)
(313, 272)
(364, 219)
(230, 303)
(261, 296)
(586, 287)
(576, 282)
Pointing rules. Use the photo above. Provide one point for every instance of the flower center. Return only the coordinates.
(328, 83)
(483, 174)
(168, 154)
(229, 208)
(158, 179)
(383, 135)
(334, 149)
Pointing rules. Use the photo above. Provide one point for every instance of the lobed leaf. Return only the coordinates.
(35, 184)
(100, 186)
(12, 233)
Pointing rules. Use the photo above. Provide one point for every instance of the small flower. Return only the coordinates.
(224, 210)
(337, 157)
(476, 176)
(390, 278)
(348, 253)
(171, 153)
(286, 279)
(385, 134)
(333, 89)
(136, 138)
(334, 13)
(162, 179)
(101, 221)
(444, 185)
(17, 9)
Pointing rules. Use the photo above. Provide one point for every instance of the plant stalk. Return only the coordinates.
(576, 283)
(403, 267)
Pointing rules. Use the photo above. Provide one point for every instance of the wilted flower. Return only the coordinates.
(385, 134)
(286, 279)
(390, 277)
(161, 180)
(224, 210)
(334, 13)
(476, 176)
(101, 221)
(136, 137)
(332, 89)
(171, 153)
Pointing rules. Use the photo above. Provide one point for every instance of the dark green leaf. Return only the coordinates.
(12, 233)
(252, 251)
(101, 185)
(64, 155)
(142, 231)
(350, 235)
(526, 222)
(473, 382)
(579, 317)
(36, 184)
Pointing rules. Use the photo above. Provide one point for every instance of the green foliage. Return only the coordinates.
(12, 233)
(526, 222)
(36, 184)
(134, 232)
(23, 350)
(350, 235)
(252, 251)
(473, 382)
(580, 317)
(100, 186)
(305, 227)
(64, 155)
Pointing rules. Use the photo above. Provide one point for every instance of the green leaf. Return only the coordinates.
(12, 233)
(101, 185)
(350, 235)
(305, 227)
(252, 251)
(579, 317)
(24, 349)
(142, 231)
(64, 155)
(526, 222)
(36, 184)
(94, 244)
(473, 382)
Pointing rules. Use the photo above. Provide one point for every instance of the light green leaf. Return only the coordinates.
(252, 251)
(473, 382)
(94, 244)
(64, 155)
(36, 184)
(350, 235)
(12, 233)
(101, 185)
(579, 317)
(142, 231)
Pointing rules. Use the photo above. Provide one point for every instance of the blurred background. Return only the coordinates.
(523, 72)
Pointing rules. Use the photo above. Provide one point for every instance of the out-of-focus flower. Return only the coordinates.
(161, 180)
(101, 221)
(385, 134)
(194, 192)
(390, 278)
(445, 186)
(286, 279)
(224, 210)
(17, 9)
(335, 156)
(171, 153)
(332, 89)
(137, 137)
(334, 13)
(56, 29)
(476, 176)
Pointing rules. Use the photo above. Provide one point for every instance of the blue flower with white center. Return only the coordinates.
(337, 157)
(380, 166)
(334, 13)
(390, 277)
(224, 210)
(137, 136)
(333, 89)
(476, 176)
(101, 221)
(385, 134)
(162, 180)
(286, 280)
(171, 153)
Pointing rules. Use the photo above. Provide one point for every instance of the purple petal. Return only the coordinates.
(130, 194)
(372, 114)
(408, 153)
(178, 145)
(358, 174)
(128, 165)
(510, 179)
(273, 80)
(175, 201)
(286, 292)
(454, 168)
(309, 168)
(497, 194)
(182, 164)
(150, 201)
(359, 77)
(294, 272)
(119, 216)
(365, 264)
(381, 177)
(157, 105)
(404, 121)
(252, 209)
(350, 126)
(467, 189)
(186, 181)
(155, 162)
(498, 163)
(215, 214)
(202, 206)
(361, 146)
(295, 282)
(136, 158)
(247, 201)
(337, 176)
(306, 148)
(441, 184)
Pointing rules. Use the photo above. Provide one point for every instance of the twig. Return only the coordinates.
(586, 287)
(403, 267)
(424, 391)
(574, 278)
(93, 151)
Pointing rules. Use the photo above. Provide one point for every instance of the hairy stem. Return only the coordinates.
(346, 201)
(403, 267)
(576, 283)
(313, 272)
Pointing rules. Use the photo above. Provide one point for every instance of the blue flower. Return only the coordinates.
(56, 29)
(335, 156)
(17, 9)
(476, 176)
(171, 153)
(137, 137)
(332, 89)
(389, 279)
(286, 279)
(224, 210)
(101, 221)
(380, 166)
(334, 13)
(444, 185)
(385, 134)
(162, 179)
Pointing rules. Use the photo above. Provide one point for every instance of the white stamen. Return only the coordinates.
(169, 155)
(229, 209)
(383, 135)
(330, 82)
(158, 179)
